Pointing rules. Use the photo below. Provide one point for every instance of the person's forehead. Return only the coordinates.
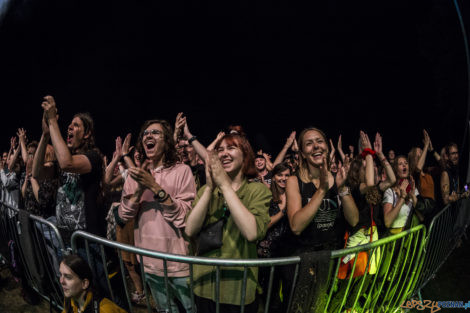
(313, 134)
(77, 120)
(155, 126)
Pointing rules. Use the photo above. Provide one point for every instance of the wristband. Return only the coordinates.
(367, 151)
(190, 140)
(345, 192)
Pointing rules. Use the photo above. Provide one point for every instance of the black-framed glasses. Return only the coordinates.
(153, 132)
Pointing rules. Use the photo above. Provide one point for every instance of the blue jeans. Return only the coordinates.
(177, 287)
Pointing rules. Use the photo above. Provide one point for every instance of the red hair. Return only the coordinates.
(248, 167)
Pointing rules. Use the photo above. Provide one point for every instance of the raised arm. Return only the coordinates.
(192, 140)
(109, 172)
(126, 151)
(391, 179)
(38, 161)
(365, 144)
(287, 145)
(422, 158)
(78, 163)
(340, 149)
(14, 159)
(22, 137)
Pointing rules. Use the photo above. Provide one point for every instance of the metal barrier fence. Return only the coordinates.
(444, 233)
(404, 263)
(191, 260)
(33, 247)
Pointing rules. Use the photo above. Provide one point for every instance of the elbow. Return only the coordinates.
(297, 231)
(251, 237)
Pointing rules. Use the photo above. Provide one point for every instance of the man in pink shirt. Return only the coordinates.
(160, 194)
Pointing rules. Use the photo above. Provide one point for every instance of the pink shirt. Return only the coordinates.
(160, 227)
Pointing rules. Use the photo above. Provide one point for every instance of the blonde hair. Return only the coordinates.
(303, 170)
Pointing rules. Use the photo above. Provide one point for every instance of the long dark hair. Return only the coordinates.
(354, 175)
(275, 189)
(169, 150)
(88, 128)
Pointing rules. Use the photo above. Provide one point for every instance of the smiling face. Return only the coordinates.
(453, 155)
(153, 141)
(402, 168)
(231, 158)
(72, 285)
(314, 148)
(280, 179)
(76, 134)
(260, 164)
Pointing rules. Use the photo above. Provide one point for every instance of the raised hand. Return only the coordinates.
(290, 140)
(426, 139)
(341, 175)
(12, 143)
(179, 124)
(21, 134)
(364, 141)
(118, 148)
(340, 144)
(332, 150)
(402, 187)
(49, 107)
(378, 143)
(219, 176)
(295, 146)
(125, 147)
(142, 177)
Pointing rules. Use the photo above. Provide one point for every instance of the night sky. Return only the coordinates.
(273, 66)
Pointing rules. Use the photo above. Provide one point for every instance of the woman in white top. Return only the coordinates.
(399, 200)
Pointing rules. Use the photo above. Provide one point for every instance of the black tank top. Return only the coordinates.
(326, 230)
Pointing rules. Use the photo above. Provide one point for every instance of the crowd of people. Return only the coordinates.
(166, 191)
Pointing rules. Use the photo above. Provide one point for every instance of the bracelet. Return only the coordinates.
(345, 192)
(190, 140)
(367, 151)
(125, 155)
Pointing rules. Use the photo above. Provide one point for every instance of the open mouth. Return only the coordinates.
(226, 162)
(69, 138)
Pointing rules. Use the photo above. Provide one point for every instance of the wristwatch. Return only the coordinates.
(161, 195)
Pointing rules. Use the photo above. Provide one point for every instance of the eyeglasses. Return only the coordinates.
(153, 132)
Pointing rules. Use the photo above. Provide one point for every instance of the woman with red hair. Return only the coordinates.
(240, 208)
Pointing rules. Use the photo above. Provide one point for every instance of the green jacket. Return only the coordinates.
(256, 198)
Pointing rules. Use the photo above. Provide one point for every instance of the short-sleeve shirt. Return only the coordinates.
(390, 196)
(77, 205)
(256, 198)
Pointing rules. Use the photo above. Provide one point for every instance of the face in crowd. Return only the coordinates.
(76, 134)
(391, 155)
(231, 157)
(402, 168)
(260, 163)
(453, 155)
(153, 140)
(72, 285)
(314, 147)
(280, 178)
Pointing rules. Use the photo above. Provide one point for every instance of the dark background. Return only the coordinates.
(273, 66)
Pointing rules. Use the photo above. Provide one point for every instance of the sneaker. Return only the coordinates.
(137, 297)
